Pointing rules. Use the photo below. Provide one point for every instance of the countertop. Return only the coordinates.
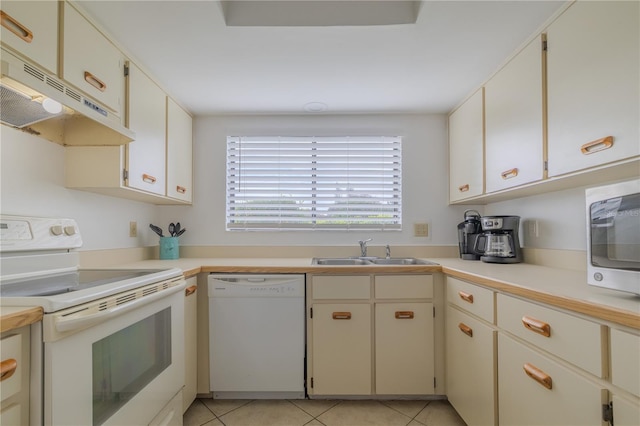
(562, 288)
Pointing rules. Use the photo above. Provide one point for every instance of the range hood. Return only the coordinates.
(82, 121)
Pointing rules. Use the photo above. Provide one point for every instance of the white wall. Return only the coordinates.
(425, 178)
(32, 184)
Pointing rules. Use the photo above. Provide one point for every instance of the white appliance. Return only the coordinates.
(109, 350)
(613, 236)
(257, 336)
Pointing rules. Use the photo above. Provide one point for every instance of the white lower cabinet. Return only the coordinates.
(471, 367)
(535, 390)
(190, 343)
(14, 386)
(625, 412)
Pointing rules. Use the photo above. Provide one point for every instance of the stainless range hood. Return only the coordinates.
(82, 121)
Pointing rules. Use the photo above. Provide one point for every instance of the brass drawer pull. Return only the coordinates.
(536, 326)
(190, 290)
(16, 27)
(404, 314)
(463, 188)
(7, 368)
(466, 296)
(181, 189)
(466, 329)
(95, 81)
(148, 178)
(341, 315)
(538, 375)
(508, 174)
(597, 145)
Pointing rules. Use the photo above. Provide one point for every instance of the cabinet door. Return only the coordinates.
(466, 149)
(625, 413)
(91, 62)
(471, 368)
(625, 368)
(404, 349)
(571, 399)
(31, 28)
(179, 153)
(190, 343)
(341, 349)
(146, 155)
(593, 63)
(513, 120)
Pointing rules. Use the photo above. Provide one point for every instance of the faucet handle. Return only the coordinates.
(363, 246)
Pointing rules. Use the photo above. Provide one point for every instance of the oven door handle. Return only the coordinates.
(73, 322)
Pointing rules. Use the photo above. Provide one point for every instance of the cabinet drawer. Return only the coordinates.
(404, 286)
(571, 400)
(576, 340)
(625, 368)
(471, 367)
(11, 358)
(340, 287)
(473, 299)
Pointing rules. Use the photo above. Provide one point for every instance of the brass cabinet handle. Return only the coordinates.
(16, 27)
(148, 178)
(538, 375)
(404, 314)
(597, 145)
(536, 326)
(95, 81)
(463, 188)
(466, 329)
(181, 189)
(190, 290)
(7, 368)
(508, 174)
(466, 296)
(341, 315)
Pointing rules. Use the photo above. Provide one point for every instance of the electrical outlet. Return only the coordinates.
(534, 228)
(133, 229)
(421, 229)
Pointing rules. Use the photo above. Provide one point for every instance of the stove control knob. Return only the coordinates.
(70, 230)
(56, 230)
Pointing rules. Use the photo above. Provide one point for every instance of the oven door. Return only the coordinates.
(114, 364)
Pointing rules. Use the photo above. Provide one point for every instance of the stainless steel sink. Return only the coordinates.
(370, 261)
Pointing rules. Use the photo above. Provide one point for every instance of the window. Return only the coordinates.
(289, 183)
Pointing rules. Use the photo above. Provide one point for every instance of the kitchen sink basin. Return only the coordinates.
(346, 261)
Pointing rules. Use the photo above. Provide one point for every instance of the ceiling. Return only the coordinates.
(213, 68)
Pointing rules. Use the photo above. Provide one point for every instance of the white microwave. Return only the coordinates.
(613, 236)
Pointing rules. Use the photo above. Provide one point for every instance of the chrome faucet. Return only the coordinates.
(363, 247)
(388, 251)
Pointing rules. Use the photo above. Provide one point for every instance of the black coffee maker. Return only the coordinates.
(468, 233)
(499, 241)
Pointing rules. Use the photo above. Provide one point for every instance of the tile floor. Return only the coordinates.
(307, 412)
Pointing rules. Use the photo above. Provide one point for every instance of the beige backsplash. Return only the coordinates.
(564, 259)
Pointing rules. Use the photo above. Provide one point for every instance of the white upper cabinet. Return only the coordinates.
(513, 121)
(593, 64)
(146, 156)
(179, 153)
(91, 62)
(466, 174)
(31, 29)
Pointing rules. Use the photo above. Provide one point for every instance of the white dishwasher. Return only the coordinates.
(256, 336)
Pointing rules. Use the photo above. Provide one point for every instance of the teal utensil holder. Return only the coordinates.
(169, 248)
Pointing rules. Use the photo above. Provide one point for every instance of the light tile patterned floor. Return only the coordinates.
(316, 412)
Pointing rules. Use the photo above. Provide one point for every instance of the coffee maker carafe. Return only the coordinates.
(499, 241)
(468, 233)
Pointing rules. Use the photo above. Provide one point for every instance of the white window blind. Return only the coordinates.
(288, 183)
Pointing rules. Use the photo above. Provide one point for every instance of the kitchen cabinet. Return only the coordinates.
(593, 63)
(90, 61)
(513, 121)
(179, 153)
(190, 343)
(14, 386)
(471, 339)
(466, 149)
(31, 29)
(147, 116)
(370, 334)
